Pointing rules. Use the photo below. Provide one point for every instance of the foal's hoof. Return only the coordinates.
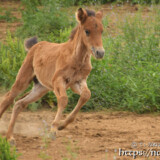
(61, 127)
(12, 142)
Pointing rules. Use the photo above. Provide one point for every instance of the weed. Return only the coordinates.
(41, 19)
(6, 152)
(11, 58)
(34, 106)
(70, 154)
(46, 141)
(106, 154)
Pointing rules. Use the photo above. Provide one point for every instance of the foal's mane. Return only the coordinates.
(73, 32)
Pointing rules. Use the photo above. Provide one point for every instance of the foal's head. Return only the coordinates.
(91, 29)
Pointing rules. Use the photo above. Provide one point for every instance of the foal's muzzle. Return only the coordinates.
(98, 52)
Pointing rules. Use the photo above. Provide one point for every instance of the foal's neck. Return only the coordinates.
(81, 52)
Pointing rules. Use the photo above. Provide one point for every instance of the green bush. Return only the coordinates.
(41, 18)
(11, 58)
(144, 1)
(93, 2)
(128, 78)
(6, 152)
(67, 3)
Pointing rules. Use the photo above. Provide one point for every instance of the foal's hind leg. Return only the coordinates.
(37, 92)
(10, 96)
(81, 89)
(23, 79)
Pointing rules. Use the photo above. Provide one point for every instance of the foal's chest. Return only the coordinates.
(79, 72)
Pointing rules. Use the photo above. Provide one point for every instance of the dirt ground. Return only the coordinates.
(93, 136)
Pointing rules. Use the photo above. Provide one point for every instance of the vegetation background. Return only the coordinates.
(128, 78)
(6, 152)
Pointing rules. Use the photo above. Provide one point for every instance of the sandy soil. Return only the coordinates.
(93, 136)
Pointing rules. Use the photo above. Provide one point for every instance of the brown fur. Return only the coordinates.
(58, 67)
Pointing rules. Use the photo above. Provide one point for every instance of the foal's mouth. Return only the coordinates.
(98, 52)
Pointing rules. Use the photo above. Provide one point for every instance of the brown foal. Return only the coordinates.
(57, 67)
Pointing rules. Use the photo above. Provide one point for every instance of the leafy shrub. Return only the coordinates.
(128, 78)
(82, 2)
(93, 2)
(42, 18)
(11, 58)
(6, 152)
(144, 1)
(63, 35)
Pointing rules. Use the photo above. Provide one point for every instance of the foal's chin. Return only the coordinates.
(99, 58)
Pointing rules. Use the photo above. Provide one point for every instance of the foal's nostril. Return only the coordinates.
(99, 53)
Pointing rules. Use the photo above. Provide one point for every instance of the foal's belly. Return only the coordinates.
(44, 72)
(45, 77)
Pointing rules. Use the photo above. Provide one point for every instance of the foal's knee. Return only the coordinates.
(62, 101)
(19, 106)
(86, 94)
(9, 98)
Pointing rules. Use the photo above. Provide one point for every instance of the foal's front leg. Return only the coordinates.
(85, 94)
(60, 92)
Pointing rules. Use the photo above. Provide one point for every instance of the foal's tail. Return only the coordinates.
(28, 43)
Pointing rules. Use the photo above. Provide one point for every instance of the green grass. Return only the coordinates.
(6, 152)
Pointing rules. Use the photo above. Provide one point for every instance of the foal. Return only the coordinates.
(56, 67)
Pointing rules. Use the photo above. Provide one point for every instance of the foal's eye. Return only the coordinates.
(87, 32)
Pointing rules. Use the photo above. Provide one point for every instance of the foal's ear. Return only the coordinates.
(99, 15)
(81, 15)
